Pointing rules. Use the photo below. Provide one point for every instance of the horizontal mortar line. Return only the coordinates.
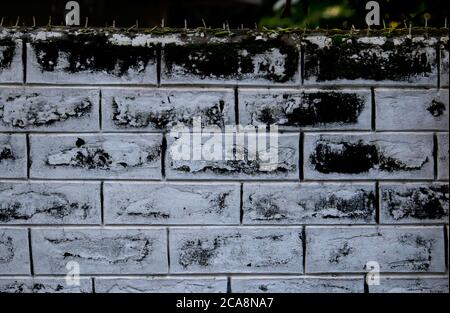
(175, 226)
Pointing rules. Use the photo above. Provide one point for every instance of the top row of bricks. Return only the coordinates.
(101, 57)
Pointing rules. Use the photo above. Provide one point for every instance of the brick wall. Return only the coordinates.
(87, 173)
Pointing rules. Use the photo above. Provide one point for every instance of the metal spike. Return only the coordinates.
(34, 21)
(445, 23)
(49, 21)
(185, 24)
(114, 24)
(86, 22)
(17, 21)
(204, 24)
(384, 24)
(1, 22)
(162, 23)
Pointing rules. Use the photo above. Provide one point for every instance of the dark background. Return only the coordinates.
(235, 13)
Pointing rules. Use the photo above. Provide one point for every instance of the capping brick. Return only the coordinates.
(11, 67)
(162, 285)
(297, 284)
(444, 51)
(96, 156)
(243, 59)
(345, 59)
(52, 109)
(368, 155)
(292, 203)
(308, 109)
(408, 109)
(100, 251)
(286, 167)
(389, 284)
(43, 285)
(175, 203)
(14, 255)
(442, 157)
(91, 57)
(419, 203)
(49, 203)
(13, 156)
(396, 249)
(160, 109)
(236, 250)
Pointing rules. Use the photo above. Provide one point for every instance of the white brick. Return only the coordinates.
(13, 156)
(408, 109)
(44, 285)
(389, 284)
(236, 250)
(49, 203)
(14, 255)
(96, 156)
(100, 251)
(442, 157)
(11, 67)
(134, 203)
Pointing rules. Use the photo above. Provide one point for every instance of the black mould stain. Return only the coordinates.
(92, 53)
(420, 261)
(337, 256)
(421, 203)
(316, 108)
(436, 108)
(50, 204)
(345, 58)
(201, 251)
(219, 202)
(7, 52)
(266, 208)
(7, 250)
(353, 158)
(6, 154)
(233, 60)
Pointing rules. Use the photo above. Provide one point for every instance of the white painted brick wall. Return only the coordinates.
(88, 174)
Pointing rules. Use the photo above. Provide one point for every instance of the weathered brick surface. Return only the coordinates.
(411, 285)
(396, 249)
(283, 203)
(161, 285)
(370, 60)
(44, 285)
(240, 250)
(103, 162)
(298, 284)
(13, 156)
(96, 156)
(363, 155)
(49, 203)
(312, 109)
(408, 109)
(14, 254)
(414, 203)
(442, 157)
(241, 164)
(133, 203)
(55, 109)
(93, 56)
(248, 59)
(160, 109)
(100, 251)
(11, 66)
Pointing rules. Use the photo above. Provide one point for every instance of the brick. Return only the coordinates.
(171, 204)
(442, 157)
(293, 203)
(444, 54)
(396, 249)
(346, 59)
(236, 250)
(411, 285)
(92, 57)
(159, 109)
(161, 285)
(244, 59)
(96, 156)
(11, 67)
(414, 203)
(297, 284)
(13, 156)
(408, 109)
(49, 203)
(14, 255)
(280, 162)
(100, 251)
(43, 285)
(52, 109)
(368, 155)
(309, 109)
